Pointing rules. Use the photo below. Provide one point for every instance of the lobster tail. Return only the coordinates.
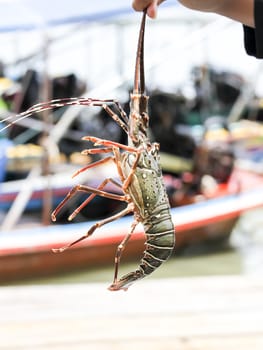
(159, 247)
(160, 241)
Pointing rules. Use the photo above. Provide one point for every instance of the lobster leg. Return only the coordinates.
(98, 224)
(108, 143)
(120, 250)
(99, 162)
(104, 105)
(93, 195)
(87, 189)
(127, 181)
(96, 150)
(115, 117)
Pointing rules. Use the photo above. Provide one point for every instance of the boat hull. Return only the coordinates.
(27, 253)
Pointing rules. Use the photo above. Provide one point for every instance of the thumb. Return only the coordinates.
(152, 9)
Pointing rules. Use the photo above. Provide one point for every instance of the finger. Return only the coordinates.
(140, 5)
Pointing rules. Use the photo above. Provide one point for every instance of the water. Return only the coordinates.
(247, 238)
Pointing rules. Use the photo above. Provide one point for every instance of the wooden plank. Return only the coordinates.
(186, 313)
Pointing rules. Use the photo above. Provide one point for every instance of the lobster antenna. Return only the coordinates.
(139, 82)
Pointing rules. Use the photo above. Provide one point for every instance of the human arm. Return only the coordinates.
(239, 10)
(247, 12)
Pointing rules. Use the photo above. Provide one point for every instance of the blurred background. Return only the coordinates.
(205, 109)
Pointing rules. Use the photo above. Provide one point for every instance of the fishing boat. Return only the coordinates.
(27, 252)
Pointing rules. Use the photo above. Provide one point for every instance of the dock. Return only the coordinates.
(208, 313)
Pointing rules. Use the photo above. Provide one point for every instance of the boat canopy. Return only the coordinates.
(37, 14)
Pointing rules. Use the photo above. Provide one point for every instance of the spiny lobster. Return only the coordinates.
(140, 173)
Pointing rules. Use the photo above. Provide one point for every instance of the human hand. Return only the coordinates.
(151, 5)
